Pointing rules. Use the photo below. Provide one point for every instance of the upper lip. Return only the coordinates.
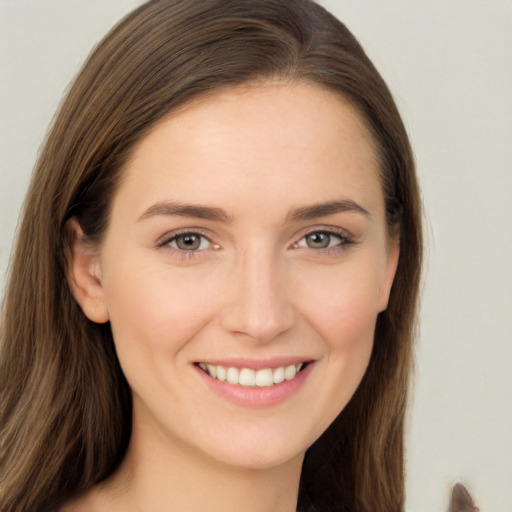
(257, 364)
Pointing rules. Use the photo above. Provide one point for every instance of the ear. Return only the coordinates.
(390, 271)
(84, 275)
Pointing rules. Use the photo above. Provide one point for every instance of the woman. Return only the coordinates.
(214, 291)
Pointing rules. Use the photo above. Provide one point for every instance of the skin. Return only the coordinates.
(259, 285)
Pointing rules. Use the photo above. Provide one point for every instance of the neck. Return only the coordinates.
(175, 478)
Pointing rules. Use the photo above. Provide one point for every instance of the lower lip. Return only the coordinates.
(255, 396)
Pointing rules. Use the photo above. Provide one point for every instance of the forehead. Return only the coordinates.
(276, 140)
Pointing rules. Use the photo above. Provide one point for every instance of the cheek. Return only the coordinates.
(155, 313)
(344, 316)
(350, 329)
(344, 308)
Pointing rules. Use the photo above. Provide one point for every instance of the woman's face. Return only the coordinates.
(247, 241)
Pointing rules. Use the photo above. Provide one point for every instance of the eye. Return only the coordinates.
(189, 242)
(322, 240)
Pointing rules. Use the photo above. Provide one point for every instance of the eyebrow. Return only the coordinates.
(173, 208)
(186, 210)
(323, 209)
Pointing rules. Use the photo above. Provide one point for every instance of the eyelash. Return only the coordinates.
(167, 241)
(344, 241)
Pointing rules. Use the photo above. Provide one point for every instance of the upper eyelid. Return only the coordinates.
(165, 243)
(344, 238)
(164, 239)
(332, 230)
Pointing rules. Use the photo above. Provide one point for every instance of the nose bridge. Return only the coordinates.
(258, 303)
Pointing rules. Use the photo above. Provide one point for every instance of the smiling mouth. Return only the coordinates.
(247, 377)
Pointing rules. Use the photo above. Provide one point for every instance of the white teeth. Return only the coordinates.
(212, 370)
(248, 377)
(278, 375)
(221, 373)
(290, 372)
(232, 376)
(264, 378)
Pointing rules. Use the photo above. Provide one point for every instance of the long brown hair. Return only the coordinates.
(66, 408)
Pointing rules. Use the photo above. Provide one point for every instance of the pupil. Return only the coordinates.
(188, 242)
(318, 240)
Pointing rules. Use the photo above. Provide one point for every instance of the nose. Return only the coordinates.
(256, 298)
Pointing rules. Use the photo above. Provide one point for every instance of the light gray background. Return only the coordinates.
(449, 64)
